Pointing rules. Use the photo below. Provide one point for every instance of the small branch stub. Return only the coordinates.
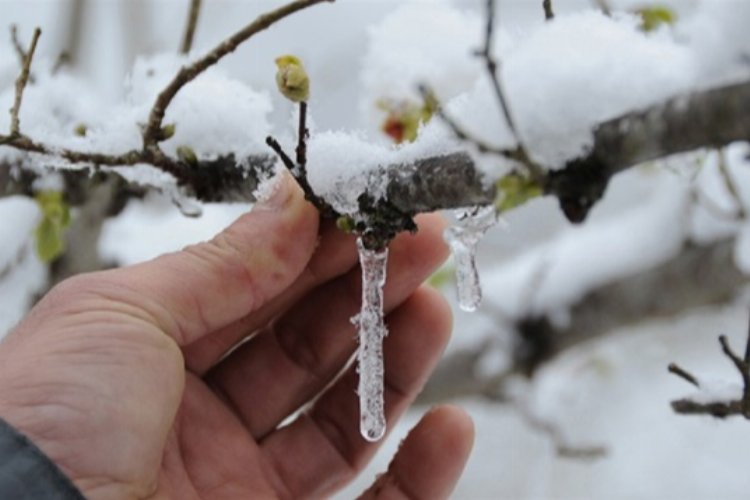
(719, 409)
(192, 22)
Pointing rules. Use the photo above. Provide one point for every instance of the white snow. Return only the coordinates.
(554, 275)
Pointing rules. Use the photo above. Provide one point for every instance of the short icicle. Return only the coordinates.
(372, 331)
(463, 238)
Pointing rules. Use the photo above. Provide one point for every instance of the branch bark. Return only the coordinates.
(711, 118)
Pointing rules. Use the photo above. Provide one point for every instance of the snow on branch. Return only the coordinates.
(151, 133)
(723, 401)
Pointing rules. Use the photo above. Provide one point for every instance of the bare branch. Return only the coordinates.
(492, 67)
(675, 369)
(712, 118)
(548, 13)
(23, 79)
(20, 51)
(188, 73)
(717, 409)
(604, 7)
(192, 21)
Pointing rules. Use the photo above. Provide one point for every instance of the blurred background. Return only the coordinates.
(653, 276)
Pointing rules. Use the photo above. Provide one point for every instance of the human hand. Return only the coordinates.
(124, 379)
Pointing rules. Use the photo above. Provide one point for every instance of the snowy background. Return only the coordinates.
(561, 78)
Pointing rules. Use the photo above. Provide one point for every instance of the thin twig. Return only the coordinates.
(20, 51)
(675, 369)
(604, 7)
(719, 409)
(739, 363)
(192, 21)
(288, 162)
(188, 73)
(23, 79)
(302, 136)
(462, 134)
(492, 66)
(548, 13)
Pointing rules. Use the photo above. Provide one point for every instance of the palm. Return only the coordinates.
(161, 409)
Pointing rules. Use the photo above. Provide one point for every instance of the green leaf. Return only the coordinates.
(50, 232)
(655, 16)
(50, 242)
(514, 190)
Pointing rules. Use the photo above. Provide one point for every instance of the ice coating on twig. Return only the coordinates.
(463, 238)
(372, 331)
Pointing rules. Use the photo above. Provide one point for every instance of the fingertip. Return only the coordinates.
(431, 458)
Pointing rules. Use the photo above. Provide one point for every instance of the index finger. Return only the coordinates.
(204, 287)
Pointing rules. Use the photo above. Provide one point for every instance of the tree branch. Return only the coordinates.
(192, 21)
(188, 73)
(712, 118)
(23, 79)
(548, 12)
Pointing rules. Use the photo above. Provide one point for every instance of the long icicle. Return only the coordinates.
(372, 331)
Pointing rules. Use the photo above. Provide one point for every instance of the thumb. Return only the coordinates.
(204, 287)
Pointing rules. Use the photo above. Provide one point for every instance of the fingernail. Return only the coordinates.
(275, 194)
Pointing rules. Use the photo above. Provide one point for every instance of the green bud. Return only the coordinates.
(346, 224)
(186, 155)
(167, 131)
(81, 130)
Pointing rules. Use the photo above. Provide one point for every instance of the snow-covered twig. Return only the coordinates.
(492, 66)
(192, 21)
(187, 73)
(718, 407)
(298, 168)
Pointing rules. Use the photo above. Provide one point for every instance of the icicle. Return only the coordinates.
(463, 239)
(372, 330)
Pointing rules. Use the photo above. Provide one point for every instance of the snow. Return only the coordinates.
(342, 165)
(21, 272)
(372, 331)
(555, 275)
(412, 46)
(716, 391)
(150, 227)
